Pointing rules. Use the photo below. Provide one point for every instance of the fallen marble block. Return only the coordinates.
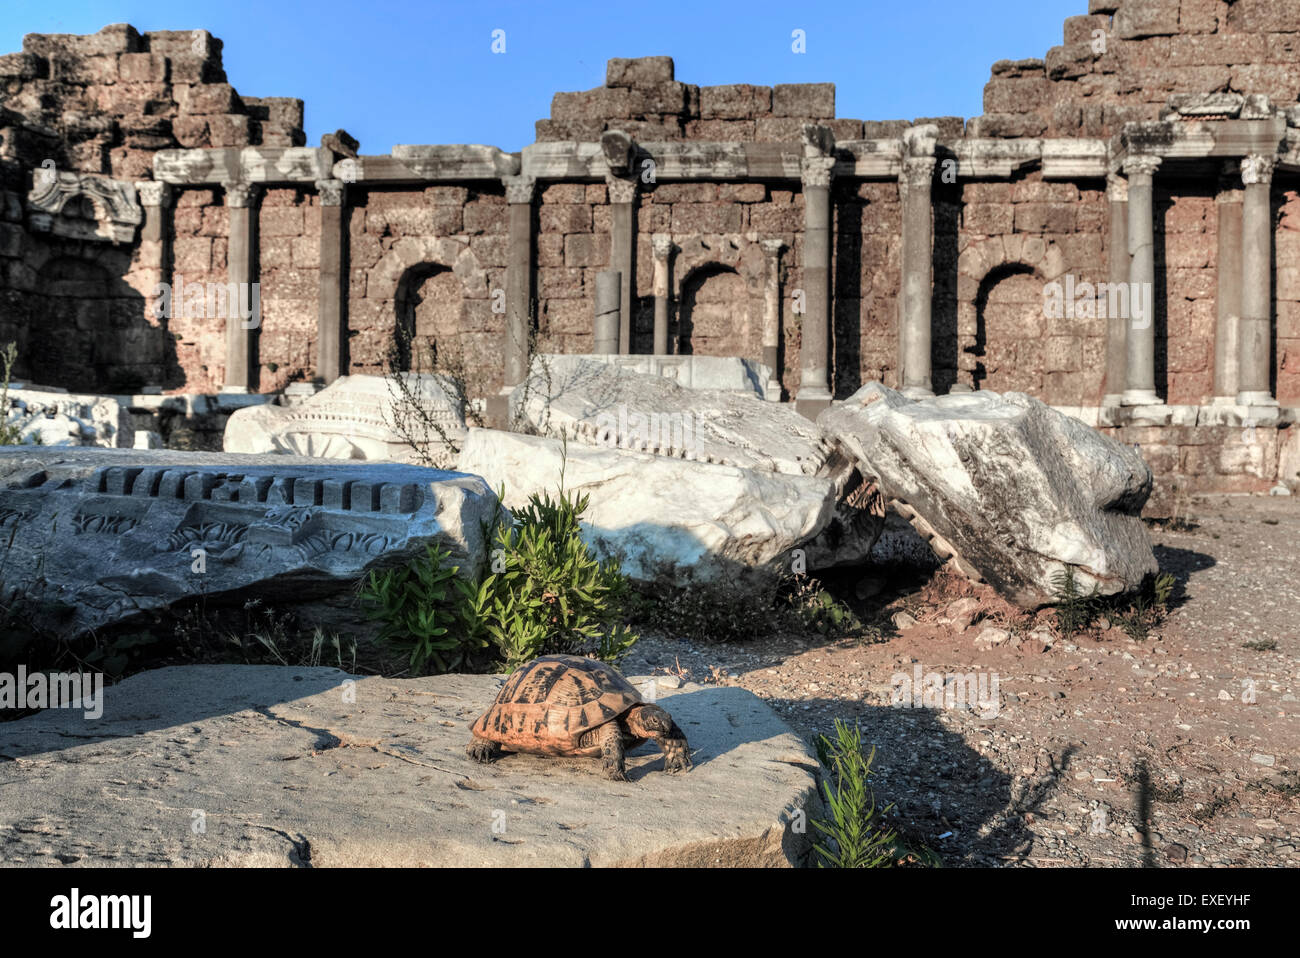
(414, 419)
(665, 520)
(613, 406)
(289, 767)
(98, 537)
(731, 373)
(1003, 487)
(69, 419)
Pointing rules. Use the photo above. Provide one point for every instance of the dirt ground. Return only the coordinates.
(1179, 750)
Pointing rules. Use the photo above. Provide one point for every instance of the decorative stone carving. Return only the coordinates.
(519, 189)
(662, 244)
(153, 193)
(1141, 165)
(1116, 188)
(65, 419)
(917, 172)
(356, 417)
(120, 533)
(332, 192)
(1257, 169)
(816, 170)
(621, 190)
(59, 201)
(239, 195)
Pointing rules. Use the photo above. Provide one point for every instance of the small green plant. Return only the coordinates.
(552, 594)
(854, 839)
(417, 604)
(10, 435)
(1075, 610)
(1148, 608)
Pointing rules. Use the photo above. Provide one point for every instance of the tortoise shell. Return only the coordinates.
(550, 703)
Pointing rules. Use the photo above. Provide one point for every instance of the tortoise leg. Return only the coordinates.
(652, 722)
(481, 750)
(611, 748)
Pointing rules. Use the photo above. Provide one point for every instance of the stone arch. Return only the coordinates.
(84, 327)
(1000, 281)
(717, 284)
(713, 318)
(428, 309)
(420, 287)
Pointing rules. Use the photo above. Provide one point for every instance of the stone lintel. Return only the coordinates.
(253, 164)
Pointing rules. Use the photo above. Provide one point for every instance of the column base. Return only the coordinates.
(917, 392)
(960, 388)
(1256, 398)
(1140, 397)
(1223, 401)
(810, 402)
(1113, 399)
(237, 390)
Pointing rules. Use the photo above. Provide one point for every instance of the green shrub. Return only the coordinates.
(552, 595)
(546, 594)
(855, 840)
(419, 608)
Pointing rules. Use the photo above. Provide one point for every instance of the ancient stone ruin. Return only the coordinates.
(1115, 235)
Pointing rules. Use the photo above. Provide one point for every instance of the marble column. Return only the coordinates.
(814, 350)
(1140, 335)
(155, 238)
(1117, 275)
(1254, 332)
(242, 371)
(331, 320)
(1228, 295)
(662, 246)
(772, 313)
(622, 196)
(520, 191)
(917, 267)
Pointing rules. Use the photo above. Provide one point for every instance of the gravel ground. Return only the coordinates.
(1179, 750)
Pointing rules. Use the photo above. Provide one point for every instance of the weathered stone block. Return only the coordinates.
(804, 100)
(1146, 18)
(565, 218)
(638, 72)
(208, 98)
(142, 68)
(734, 101)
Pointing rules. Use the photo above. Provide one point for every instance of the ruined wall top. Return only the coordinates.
(106, 102)
(642, 97)
(1123, 61)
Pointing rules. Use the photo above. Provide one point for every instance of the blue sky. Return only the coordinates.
(424, 72)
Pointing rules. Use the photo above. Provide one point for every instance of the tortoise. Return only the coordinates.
(569, 705)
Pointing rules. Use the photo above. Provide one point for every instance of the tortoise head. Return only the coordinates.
(650, 721)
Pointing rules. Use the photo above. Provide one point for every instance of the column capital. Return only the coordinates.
(816, 170)
(1142, 164)
(1116, 188)
(332, 192)
(620, 190)
(239, 195)
(917, 173)
(772, 247)
(519, 189)
(662, 243)
(1257, 168)
(154, 193)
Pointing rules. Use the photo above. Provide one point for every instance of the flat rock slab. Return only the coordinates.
(229, 765)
